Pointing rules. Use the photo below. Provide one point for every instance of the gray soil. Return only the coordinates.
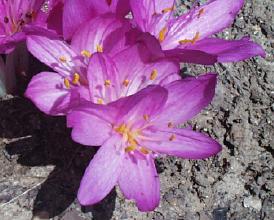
(40, 167)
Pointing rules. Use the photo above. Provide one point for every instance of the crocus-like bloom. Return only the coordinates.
(15, 14)
(188, 36)
(56, 92)
(133, 131)
(77, 12)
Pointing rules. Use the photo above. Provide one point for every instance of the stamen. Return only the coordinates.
(153, 74)
(63, 59)
(67, 83)
(172, 137)
(99, 48)
(144, 150)
(86, 53)
(168, 9)
(126, 82)
(170, 125)
(201, 12)
(162, 34)
(100, 101)
(107, 83)
(130, 148)
(146, 117)
(76, 78)
(121, 129)
(193, 40)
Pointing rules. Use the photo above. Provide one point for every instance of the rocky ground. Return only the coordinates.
(40, 167)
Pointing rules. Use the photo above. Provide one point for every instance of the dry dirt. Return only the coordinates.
(40, 167)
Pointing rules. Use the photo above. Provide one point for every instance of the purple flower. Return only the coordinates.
(83, 71)
(77, 12)
(188, 36)
(133, 131)
(126, 73)
(15, 15)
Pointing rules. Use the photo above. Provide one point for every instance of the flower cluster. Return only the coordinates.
(115, 76)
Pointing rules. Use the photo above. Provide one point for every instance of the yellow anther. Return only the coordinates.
(153, 74)
(162, 34)
(193, 40)
(99, 48)
(132, 141)
(168, 9)
(201, 11)
(107, 83)
(76, 78)
(100, 101)
(144, 150)
(126, 82)
(63, 59)
(121, 129)
(130, 148)
(146, 117)
(172, 137)
(86, 53)
(170, 125)
(67, 83)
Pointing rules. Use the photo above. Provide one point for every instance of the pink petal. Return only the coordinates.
(77, 12)
(107, 31)
(149, 101)
(55, 17)
(50, 50)
(138, 71)
(8, 43)
(46, 90)
(91, 124)
(191, 56)
(139, 181)
(229, 50)
(203, 21)
(183, 143)
(120, 7)
(101, 70)
(102, 173)
(145, 11)
(186, 98)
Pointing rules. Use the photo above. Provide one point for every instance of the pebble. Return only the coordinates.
(251, 202)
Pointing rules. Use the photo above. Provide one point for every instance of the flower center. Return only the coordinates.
(130, 136)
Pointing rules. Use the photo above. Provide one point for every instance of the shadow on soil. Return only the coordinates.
(41, 140)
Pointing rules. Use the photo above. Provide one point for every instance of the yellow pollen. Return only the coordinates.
(172, 137)
(86, 53)
(153, 74)
(170, 125)
(126, 82)
(130, 148)
(99, 48)
(201, 12)
(67, 83)
(100, 101)
(76, 78)
(146, 117)
(168, 9)
(107, 83)
(162, 34)
(63, 59)
(121, 129)
(144, 150)
(193, 40)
